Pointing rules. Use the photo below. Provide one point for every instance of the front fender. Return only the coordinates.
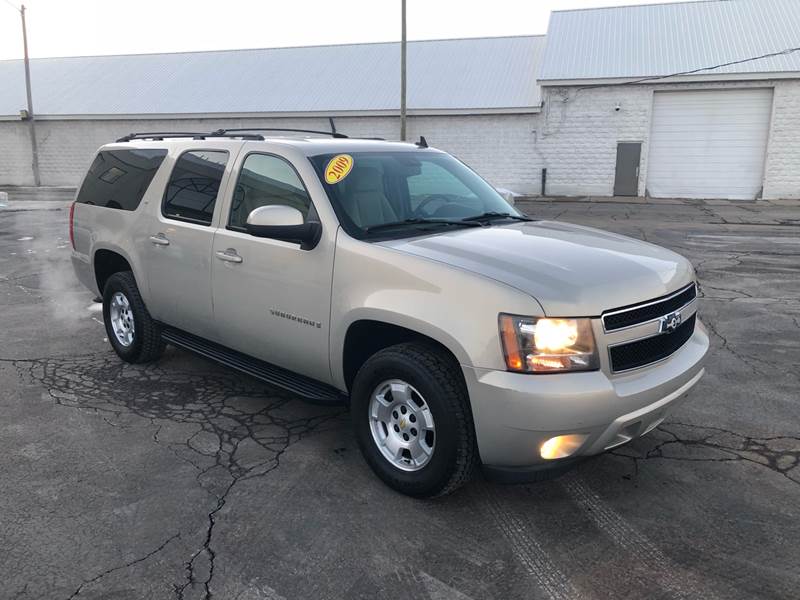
(455, 307)
(390, 317)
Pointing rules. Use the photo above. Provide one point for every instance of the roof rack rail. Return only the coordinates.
(162, 135)
(157, 135)
(335, 134)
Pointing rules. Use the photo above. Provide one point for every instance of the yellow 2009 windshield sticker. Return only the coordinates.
(338, 168)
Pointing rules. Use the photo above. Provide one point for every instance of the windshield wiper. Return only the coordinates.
(420, 221)
(492, 215)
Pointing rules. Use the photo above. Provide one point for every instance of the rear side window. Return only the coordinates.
(194, 185)
(119, 178)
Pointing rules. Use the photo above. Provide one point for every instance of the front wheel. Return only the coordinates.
(133, 333)
(412, 420)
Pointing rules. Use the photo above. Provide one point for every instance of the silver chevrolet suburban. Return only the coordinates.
(392, 278)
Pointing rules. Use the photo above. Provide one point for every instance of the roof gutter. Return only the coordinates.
(417, 112)
(704, 77)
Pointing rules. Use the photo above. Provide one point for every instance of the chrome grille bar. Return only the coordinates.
(636, 314)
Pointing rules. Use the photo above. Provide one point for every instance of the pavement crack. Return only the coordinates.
(703, 443)
(227, 427)
(127, 565)
(706, 286)
(726, 345)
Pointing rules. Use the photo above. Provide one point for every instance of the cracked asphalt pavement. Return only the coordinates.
(186, 480)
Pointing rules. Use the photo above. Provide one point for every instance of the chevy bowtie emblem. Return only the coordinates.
(670, 322)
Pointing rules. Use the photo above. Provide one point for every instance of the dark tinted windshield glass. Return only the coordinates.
(119, 178)
(194, 185)
(381, 188)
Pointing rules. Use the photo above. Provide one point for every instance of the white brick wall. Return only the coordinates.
(575, 139)
(579, 136)
(500, 147)
(782, 171)
(67, 147)
(15, 154)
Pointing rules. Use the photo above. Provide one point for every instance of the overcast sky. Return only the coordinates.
(91, 27)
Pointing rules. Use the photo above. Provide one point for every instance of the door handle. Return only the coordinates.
(159, 239)
(229, 255)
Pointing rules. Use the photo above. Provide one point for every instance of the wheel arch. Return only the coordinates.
(109, 260)
(371, 333)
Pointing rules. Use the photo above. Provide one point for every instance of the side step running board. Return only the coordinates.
(309, 389)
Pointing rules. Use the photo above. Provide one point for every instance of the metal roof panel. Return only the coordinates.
(480, 73)
(662, 39)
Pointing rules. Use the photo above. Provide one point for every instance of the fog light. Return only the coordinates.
(561, 446)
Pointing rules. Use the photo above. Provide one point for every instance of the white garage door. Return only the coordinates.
(708, 144)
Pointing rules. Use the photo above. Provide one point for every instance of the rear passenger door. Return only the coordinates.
(180, 238)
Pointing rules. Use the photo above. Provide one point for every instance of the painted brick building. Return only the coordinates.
(658, 100)
(475, 98)
(635, 104)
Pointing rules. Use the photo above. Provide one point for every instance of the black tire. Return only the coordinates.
(437, 377)
(147, 344)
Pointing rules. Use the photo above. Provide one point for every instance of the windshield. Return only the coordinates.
(390, 194)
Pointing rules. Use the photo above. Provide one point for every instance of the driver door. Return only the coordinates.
(272, 298)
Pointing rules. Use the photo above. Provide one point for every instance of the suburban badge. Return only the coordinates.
(297, 319)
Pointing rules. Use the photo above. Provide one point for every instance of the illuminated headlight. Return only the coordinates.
(544, 345)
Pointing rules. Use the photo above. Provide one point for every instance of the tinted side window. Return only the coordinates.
(194, 185)
(266, 180)
(119, 178)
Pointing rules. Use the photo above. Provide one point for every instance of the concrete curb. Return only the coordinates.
(38, 194)
(67, 194)
(655, 201)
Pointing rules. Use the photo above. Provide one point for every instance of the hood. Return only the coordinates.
(572, 271)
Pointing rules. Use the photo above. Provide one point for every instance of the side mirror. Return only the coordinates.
(508, 195)
(283, 223)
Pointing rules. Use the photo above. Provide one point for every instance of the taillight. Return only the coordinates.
(72, 224)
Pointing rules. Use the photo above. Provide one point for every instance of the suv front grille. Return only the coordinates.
(652, 349)
(634, 315)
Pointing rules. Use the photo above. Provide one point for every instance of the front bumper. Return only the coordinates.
(516, 413)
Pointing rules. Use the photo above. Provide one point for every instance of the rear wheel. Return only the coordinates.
(412, 420)
(131, 330)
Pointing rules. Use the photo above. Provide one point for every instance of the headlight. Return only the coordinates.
(543, 345)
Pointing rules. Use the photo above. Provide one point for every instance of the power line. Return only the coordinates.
(727, 64)
(12, 5)
(785, 52)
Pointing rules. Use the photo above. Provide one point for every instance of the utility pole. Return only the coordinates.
(403, 75)
(34, 146)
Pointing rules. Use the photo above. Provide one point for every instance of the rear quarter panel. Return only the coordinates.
(121, 231)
